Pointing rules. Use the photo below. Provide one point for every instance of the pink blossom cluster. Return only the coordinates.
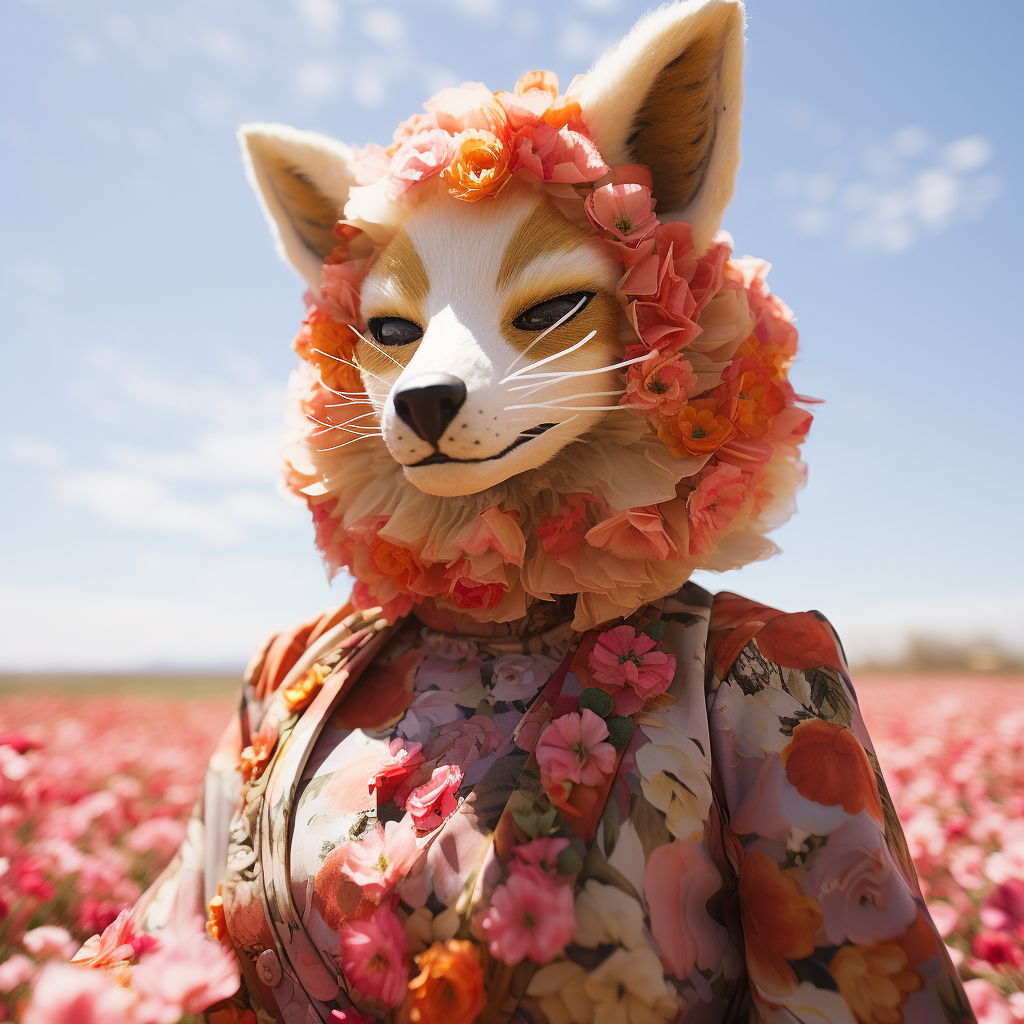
(93, 799)
(954, 766)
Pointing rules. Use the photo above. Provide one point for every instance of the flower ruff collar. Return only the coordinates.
(703, 465)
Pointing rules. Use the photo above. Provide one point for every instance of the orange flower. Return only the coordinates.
(779, 921)
(398, 564)
(331, 348)
(449, 988)
(480, 167)
(826, 763)
(216, 923)
(300, 694)
(546, 81)
(256, 756)
(226, 1012)
(695, 429)
(874, 981)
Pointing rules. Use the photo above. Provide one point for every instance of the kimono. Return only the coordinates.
(676, 818)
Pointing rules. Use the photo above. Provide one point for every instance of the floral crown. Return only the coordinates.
(709, 463)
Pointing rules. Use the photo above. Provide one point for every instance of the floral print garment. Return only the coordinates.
(677, 818)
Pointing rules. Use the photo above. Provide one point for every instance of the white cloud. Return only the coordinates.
(368, 88)
(578, 40)
(83, 48)
(34, 451)
(228, 48)
(40, 275)
(383, 26)
(907, 189)
(317, 79)
(323, 16)
(478, 10)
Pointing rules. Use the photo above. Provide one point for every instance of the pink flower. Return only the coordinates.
(433, 803)
(623, 215)
(571, 748)
(160, 834)
(998, 948)
(339, 287)
(187, 973)
(945, 917)
(371, 162)
(350, 1016)
(637, 533)
(539, 854)
(968, 867)
(50, 941)
(67, 995)
(987, 1002)
(659, 384)
(373, 956)
(470, 105)
(396, 767)
(379, 858)
(563, 532)
(621, 656)
(679, 879)
(715, 502)
(1003, 907)
(413, 126)
(556, 154)
(530, 916)
(424, 156)
(120, 942)
(15, 971)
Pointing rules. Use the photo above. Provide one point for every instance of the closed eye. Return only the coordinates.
(546, 314)
(393, 330)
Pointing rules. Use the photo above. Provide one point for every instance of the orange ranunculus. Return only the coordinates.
(398, 564)
(695, 429)
(216, 922)
(874, 981)
(300, 694)
(779, 921)
(256, 756)
(799, 640)
(332, 349)
(546, 81)
(449, 988)
(480, 167)
(826, 763)
(750, 398)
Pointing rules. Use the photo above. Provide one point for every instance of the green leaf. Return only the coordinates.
(620, 731)
(656, 630)
(598, 701)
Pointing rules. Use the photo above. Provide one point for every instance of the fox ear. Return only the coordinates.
(302, 180)
(669, 96)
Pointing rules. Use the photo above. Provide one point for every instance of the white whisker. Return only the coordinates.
(376, 346)
(523, 375)
(347, 362)
(547, 330)
(321, 451)
(580, 408)
(572, 374)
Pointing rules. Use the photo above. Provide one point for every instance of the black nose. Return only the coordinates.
(428, 402)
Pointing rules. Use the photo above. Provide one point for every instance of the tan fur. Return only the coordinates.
(601, 314)
(545, 230)
(313, 214)
(406, 275)
(684, 96)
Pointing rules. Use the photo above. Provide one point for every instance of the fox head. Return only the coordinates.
(515, 313)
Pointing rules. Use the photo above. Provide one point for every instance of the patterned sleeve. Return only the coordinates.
(835, 927)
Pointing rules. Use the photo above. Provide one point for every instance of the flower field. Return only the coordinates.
(94, 792)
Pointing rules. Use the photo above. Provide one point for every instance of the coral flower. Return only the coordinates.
(563, 532)
(622, 656)
(378, 859)
(396, 563)
(434, 802)
(750, 397)
(396, 766)
(659, 384)
(622, 213)
(300, 694)
(572, 748)
(696, 429)
(530, 916)
(256, 756)
(635, 533)
(420, 158)
(713, 504)
(373, 956)
(826, 763)
(467, 593)
(470, 105)
(120, 942)
(449, 988)
(479, 167)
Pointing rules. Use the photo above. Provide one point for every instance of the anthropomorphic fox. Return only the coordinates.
(531, 773)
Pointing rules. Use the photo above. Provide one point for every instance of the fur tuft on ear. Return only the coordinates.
(302, 180)
(669, 96)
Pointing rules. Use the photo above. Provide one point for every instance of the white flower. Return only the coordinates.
(673, 780)
(754, 719)
(605, 915)
(558, 988)
(519, 676)
(630, 988)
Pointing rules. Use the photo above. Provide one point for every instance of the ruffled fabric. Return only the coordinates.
(702, 467)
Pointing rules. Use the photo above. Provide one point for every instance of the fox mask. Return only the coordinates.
(529, 367)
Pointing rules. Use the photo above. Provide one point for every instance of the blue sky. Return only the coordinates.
(146, 320)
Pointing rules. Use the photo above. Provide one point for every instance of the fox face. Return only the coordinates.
(528, 366)
(491, 340)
